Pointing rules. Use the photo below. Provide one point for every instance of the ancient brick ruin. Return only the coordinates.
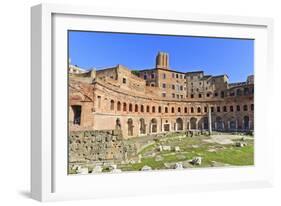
(155, 100)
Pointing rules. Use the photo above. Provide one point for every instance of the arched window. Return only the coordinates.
(111, 105)
(136, 108)
(130, 107)
(198, 110)
(245, 107)
(118, 106)
(224, 109)
(173, 110)
(142, 108)
(238, 108)
(191, 110)
(231, 108)
(252, 107)
(185, 110)
(153, 109)
(179, 109)
(147, 108)
(166, 110)
(159, 109)
(124, 107)
(218, 109)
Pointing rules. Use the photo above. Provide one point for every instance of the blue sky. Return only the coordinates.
(215, 56)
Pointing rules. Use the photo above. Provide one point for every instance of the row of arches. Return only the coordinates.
(152, 126)
(173, 109)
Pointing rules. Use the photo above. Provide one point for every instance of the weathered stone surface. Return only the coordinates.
(146, 168)
(82, 171)
(166, 148)
(87, 146)
(177, 149)
(97, 169)
(178, 166)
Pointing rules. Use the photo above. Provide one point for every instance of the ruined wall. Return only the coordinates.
(98, 146)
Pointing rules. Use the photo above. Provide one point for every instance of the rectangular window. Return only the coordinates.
(163, 94)
(124, 80)
(164, 76)
(173, 86)
(163, 85)
(173, 75)
(218, 109)
(173, 95)
(212, 109)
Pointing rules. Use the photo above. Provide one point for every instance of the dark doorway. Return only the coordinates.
(76, 114)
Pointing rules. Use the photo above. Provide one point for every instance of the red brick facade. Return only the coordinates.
(158, 100)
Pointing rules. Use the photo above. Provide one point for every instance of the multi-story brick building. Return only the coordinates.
(158, 100)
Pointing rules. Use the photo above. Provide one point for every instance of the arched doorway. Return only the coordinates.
(153, 126)
(76, 114)
(205, 123)
(130, 127)
(246, 122)
(219, 123)
(142, 126)
(193, 123)
(232, 123)
(118, 124)
(179, 124)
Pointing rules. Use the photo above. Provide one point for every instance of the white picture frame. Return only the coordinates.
(49, 179)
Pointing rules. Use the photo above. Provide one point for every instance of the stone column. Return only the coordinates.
(236, 124)
(228, 124)
(210, 121)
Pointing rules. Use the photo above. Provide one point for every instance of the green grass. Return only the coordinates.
(225, 154)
